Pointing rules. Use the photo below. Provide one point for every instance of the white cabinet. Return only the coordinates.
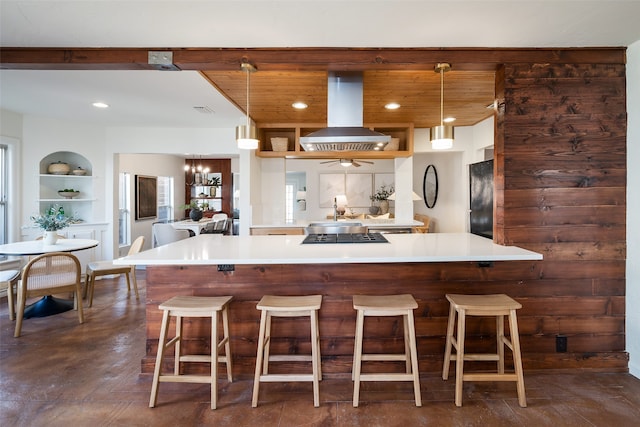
(80, 208)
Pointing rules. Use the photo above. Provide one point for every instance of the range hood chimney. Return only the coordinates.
(344, 131)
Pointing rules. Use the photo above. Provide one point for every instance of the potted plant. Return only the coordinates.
(214, 182)
(381, 195)
(51, 221)
(195, 213)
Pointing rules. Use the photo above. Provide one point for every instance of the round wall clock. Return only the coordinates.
(430, 186)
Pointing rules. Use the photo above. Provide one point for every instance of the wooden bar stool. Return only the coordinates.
(498, 305)
(287, 306)
(193, 306)
(386, 305)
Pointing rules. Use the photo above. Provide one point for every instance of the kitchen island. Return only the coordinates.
(426, 265)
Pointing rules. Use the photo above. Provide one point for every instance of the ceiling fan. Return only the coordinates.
(347, 162)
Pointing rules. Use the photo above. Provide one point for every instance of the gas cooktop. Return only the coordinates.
(345, 238)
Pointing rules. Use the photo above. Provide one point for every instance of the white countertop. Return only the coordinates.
(374, 222)
(211, 249)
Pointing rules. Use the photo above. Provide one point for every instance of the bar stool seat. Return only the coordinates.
(193, 306)
(287, 306)
(498, 305)
(386, 305)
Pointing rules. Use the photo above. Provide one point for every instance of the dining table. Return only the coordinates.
(48, 305)
(195, 226)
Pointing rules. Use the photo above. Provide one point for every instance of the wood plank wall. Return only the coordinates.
(563, 169)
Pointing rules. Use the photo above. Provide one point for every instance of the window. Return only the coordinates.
(124, 209)
(165, 198)
(4, 190)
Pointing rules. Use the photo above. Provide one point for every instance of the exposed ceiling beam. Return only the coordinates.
(276, 59)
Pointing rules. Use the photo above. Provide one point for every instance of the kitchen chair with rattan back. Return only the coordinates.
(47, 274)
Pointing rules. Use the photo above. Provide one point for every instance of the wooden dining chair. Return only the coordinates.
(105, 268)
(47, 274)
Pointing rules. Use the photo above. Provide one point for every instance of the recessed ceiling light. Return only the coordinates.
(449, 119)
(299, 105)
(100, 105)
(392, 106)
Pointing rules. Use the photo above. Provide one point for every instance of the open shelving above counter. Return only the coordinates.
(292, 132)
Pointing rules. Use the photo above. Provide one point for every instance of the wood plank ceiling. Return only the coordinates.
(466, 95)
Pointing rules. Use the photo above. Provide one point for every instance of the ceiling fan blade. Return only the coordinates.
(365, 161)
(356, 164)
(329, 161)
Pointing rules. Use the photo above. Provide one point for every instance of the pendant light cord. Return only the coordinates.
(248, 71)
(441, 96)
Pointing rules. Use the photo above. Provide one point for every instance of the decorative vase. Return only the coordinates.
(212, 191)
(195, 214)
(50, 238)
(373, 210)
(384, 207)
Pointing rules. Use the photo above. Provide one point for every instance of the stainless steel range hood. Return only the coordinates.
(344, 131)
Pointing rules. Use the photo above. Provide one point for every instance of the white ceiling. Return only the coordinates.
(154, 98)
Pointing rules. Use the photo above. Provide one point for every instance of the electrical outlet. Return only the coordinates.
(226, 267)
(561, 344)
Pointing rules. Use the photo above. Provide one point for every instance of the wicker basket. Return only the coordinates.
(59, 168)
(393, 145)
(279, 144)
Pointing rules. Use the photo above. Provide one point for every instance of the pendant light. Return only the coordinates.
(246, 135)
(442, 136)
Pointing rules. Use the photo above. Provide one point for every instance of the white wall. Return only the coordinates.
(451, 211)
(633, 208)
(150, 165)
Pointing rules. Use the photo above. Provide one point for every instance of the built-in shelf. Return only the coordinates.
(293, 132)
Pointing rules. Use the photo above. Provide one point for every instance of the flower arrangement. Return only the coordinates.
(382, 193)
(53, 220)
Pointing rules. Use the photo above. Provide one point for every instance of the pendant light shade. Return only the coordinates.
(246, 135)
(442, 135)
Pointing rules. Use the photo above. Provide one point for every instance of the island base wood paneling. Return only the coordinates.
(595, 331)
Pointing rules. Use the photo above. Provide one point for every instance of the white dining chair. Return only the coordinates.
(164, 233)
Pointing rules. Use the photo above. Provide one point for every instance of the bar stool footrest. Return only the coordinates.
(273, 378)
(387, 377)
(489, 377)
(200, 379)
(385, 357)
(290, 358)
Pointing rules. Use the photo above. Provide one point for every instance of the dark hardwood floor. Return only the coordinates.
(61, 373)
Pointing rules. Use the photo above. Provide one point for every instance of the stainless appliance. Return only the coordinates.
(322, 238)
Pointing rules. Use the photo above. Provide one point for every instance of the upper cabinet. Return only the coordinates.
(283, 140)
(67, 181)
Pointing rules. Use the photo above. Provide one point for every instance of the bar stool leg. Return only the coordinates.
(227, 343)
(178, 346)
(214, 360)
(159, 357)
(317, 339)
(259, 358)
(501, 342)
(407, 347)
(449, 343)
(315, 355)
(267, 345)
(414, 357)
(517, 357)
(357, 358)
(460, 356)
